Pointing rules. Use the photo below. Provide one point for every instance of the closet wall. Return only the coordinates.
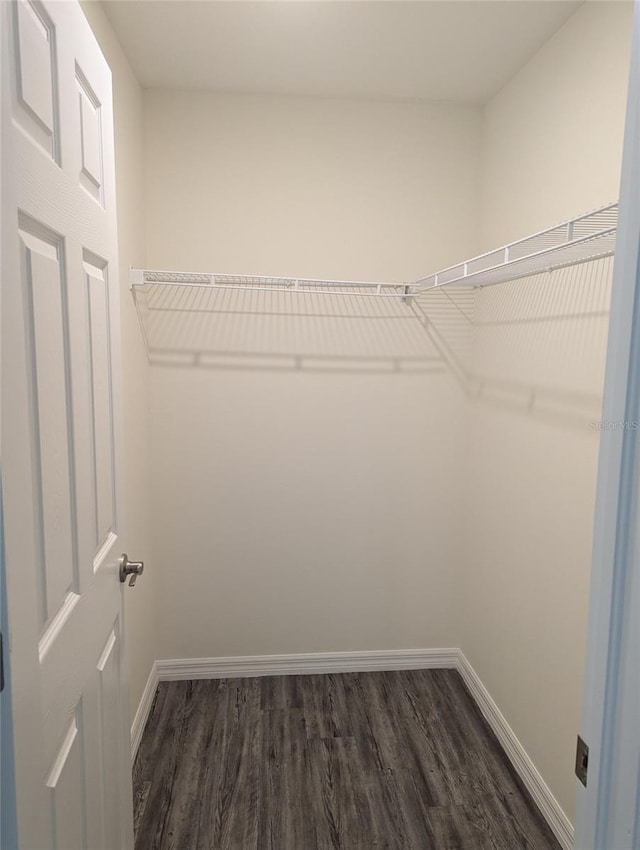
(135, 485)
(552, 146)
(301, 510)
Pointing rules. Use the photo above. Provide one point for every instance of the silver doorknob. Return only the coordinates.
(130, 568)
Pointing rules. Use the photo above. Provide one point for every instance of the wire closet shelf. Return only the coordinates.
(200, 317)
(587, 237)
(255, 283)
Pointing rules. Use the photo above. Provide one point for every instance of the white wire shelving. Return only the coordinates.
(587, 237)
(254, 283)
(205, 316)
(205, 319)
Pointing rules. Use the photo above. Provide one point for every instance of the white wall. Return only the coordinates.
(306, 509)
(304, 512)
(284, 185)
(552, 147)
(552, 140)
(136, 534)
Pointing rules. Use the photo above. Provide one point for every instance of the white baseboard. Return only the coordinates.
(306, 663)
(142, 714)
(357, 662)
(527, 771)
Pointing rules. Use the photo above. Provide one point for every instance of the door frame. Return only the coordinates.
(8, 827)
(607, 809)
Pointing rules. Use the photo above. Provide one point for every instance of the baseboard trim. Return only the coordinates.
(527, 771)
(306, 663)
(144, 707)
(359, 662)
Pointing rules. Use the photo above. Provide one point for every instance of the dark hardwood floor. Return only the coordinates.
(328, 762)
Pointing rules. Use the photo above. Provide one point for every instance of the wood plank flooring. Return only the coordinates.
(394, 761)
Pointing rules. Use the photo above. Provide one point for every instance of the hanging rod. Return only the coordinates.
(587, 237)
(196, 280)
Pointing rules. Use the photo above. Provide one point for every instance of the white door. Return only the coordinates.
(60, 361)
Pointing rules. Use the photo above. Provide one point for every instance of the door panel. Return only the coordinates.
(48, 360)
(60, 424)
(63, 782)
(108, 669)
(91, 138)
(35, 74)
(101, 419)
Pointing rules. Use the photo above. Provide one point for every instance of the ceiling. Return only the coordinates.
(461, 51)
